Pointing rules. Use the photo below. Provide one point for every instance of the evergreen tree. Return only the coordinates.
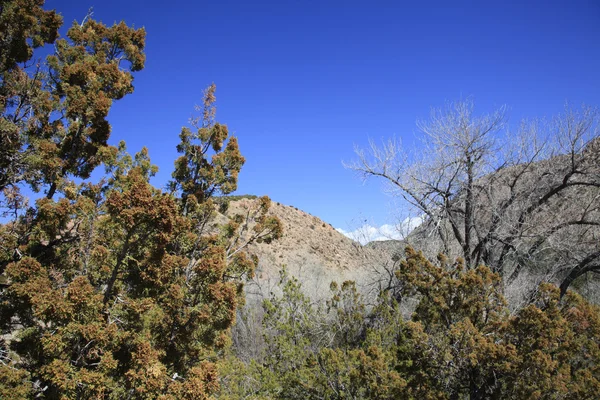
(461, 342)
(111, 289)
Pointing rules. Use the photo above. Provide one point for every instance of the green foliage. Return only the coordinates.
(315, 350)
(25, 26)
(461, 342)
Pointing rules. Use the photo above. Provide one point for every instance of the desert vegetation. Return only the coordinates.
(112, 288)
(461, 341)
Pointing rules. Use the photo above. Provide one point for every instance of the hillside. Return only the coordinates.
(389, 247)
(311, 250)
(532, 222)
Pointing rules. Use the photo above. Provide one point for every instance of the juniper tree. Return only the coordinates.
(460, 342)
(111, 288)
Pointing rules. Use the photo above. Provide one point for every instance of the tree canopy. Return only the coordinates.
(461, 341)
(110, 288)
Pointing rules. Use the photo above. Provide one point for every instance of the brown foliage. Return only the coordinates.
(116, 289)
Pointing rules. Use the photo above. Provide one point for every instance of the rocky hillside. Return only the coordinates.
(532, 222)
(311, 250)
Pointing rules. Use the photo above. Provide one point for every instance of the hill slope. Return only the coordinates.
(311, 250)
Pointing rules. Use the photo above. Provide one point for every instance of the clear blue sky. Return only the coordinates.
(301, 82)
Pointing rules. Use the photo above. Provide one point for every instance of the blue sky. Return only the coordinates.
(301, 82)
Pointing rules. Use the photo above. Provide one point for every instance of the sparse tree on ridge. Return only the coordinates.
(525, 202)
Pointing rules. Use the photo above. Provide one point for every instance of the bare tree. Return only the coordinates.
(527, 201)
